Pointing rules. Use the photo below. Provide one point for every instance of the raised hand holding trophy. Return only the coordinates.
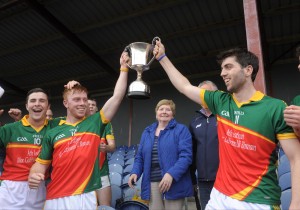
(141, 55)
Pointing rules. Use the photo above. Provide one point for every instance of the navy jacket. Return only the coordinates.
(205, 146)
(175, 157)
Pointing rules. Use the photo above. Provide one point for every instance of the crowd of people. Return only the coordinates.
(250, 126)
(68, 147)
(228, 151)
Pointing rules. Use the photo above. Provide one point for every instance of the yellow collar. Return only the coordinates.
(74, 124)
(25, 122)
(257, 96)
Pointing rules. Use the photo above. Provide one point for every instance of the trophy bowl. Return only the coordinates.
(141, 55)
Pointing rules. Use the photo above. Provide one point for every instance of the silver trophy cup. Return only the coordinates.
(141, 55)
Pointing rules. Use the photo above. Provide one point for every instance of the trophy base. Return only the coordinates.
(138, 90)
(138, 95)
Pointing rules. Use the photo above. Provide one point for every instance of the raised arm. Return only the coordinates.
(111, 106)
(180, 82)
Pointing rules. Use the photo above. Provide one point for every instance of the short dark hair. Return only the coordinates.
(92, 99)
(243, 57)
(35, 90)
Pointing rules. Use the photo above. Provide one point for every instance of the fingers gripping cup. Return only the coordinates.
(141, 55)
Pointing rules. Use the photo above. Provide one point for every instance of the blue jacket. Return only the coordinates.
(205, 146)
(175, 157)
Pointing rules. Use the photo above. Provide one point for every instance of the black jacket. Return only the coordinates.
(205, 147)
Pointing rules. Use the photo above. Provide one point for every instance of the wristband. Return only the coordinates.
(161, 57)
(124, 69)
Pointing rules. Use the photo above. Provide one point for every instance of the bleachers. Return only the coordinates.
(284, 178)
(127, 169)
(115, 168)
(120, 165)
(285, 181)
(116, 160)
(284, 165)
(115, 178)
(286, 199)
(129, 161)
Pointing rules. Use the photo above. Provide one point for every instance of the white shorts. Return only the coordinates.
(220, 201)
(105, 182)
(18, 195)
(79, 202)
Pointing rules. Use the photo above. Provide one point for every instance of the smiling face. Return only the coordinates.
(76, 103)
(233, 74)
(164, 114)
(37, 105)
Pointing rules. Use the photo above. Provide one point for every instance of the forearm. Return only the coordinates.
(177, 79)
(111, 146)
(111, 106)
(38, 168)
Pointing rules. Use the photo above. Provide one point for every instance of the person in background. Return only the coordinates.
(204, 132)
(292, 112)
(49, 114)
(107, 144)
(73, 148)
(92, 106)
(250, 124)
(164, 157)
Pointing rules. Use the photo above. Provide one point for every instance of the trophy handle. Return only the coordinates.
(153, 43)
(155, 39)
(127, 49)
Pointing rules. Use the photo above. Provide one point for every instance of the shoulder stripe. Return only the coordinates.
(285, 136)
(104, 120)
(44, 162)
(203, 103)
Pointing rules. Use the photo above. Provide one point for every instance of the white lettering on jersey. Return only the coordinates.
(225, 113)
(22, 138)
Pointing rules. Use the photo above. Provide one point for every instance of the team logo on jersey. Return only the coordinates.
(237, 115)
(199, 125)
(225, 113)
(73, 131)
(22, 138)
(59, 136)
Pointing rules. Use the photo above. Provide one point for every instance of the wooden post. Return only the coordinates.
(254, 43)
